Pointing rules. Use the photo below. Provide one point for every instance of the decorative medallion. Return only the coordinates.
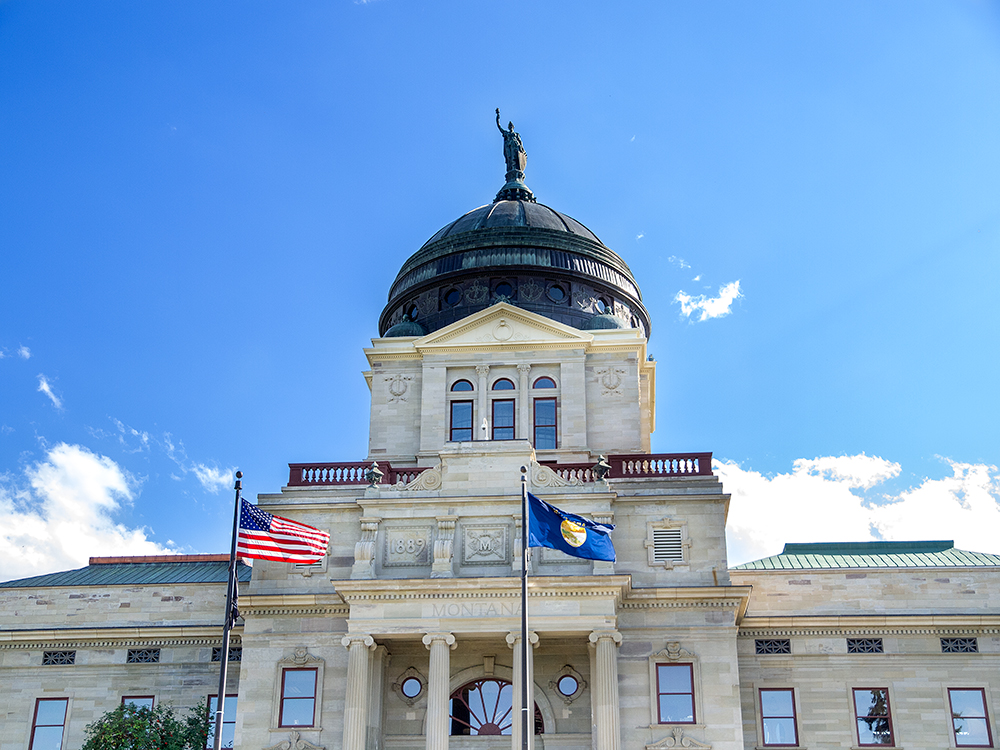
(397, 387)
(502, 331)
(611, 380)
(677, 738)
(531, 290)
(484, 545)
(295, 742)
(477, 293)
(427, 304)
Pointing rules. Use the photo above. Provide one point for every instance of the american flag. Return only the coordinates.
(266, 537)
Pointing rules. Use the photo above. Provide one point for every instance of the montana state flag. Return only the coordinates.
(550, 527)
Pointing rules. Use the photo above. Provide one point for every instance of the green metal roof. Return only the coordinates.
(934, 554)
(137, 574)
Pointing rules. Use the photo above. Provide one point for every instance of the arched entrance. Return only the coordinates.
(485, 707)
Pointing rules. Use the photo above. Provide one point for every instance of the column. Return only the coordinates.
(524, 417)
(607, 724)
(356, 699)
(514, 642)
(438, 677)
(376, 692)
(482, 388)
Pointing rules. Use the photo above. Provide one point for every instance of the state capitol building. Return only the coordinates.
(514, 337)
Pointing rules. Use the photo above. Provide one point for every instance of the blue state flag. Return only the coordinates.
(548, 526)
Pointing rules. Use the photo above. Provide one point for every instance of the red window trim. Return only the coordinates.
(534, 420)
(888, 715)
(986, 715)
(34, 720)
(794, 717)
(139, 697)
(545, 387)
(493, 420)
(281, 709)
(508, 381)
(454, 386)
(451, 420)
(694, 708)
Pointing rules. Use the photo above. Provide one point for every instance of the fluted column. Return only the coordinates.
(524, 418)
(438, 675)
(356, 699)
(607, 725)
(514, 642)
(483, 395)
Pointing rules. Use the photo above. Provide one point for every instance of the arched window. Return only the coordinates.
(544, 383)
(484, 707)
(462, 385)
(503, 384)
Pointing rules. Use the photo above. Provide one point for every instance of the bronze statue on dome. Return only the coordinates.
(513, 150)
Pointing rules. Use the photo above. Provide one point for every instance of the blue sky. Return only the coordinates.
(202, 207)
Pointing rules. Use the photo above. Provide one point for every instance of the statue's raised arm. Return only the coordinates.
(499, 126)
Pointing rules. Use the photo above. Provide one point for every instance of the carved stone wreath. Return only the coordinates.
(531, 290)
(677, 738)
(477, 293)
(295, 742)
(396, 385)
(611, 380)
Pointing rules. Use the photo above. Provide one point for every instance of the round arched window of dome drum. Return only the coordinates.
(462, 385)
(411, 687)
(601, 305)
(545, 383)
(452, 296)
(503, 289)
(556, 293)
(503, 385)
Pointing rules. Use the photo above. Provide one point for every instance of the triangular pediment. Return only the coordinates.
(504, 326)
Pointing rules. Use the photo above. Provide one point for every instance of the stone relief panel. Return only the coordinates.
(407, 546)
(485, 544)
(396, 385)
(611, 379)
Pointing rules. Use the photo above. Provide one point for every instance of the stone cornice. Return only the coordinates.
(481, 588)
(154, 635)
(721, 597)
(851, 625)
(270, 605)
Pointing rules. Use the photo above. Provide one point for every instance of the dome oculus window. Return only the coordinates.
(462, 385)
(503, 384)
(503, 289)
(452, 297)
(556, 293)
(545, 383)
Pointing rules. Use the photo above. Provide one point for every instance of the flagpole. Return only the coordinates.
(220, 701)
(524, 610)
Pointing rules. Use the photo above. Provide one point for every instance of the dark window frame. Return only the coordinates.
(210, 741)
(508, 381)
(859, 719)
(535, 425)
(35, 725)
(694, 706)
(134, 698)
(451, 420)
(455, 389)
(282, 699)
(493, 418)
(985, 716)
(763, 718)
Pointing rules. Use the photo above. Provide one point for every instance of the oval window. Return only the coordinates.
(411, 687)
(567, 685)
(556, 293)
(461, 385)
(452, 296)
(601, 305)
(503, 289)
(545, 383)
(412, 311)
(503, 385)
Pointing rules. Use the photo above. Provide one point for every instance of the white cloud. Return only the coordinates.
(632, 139)
(64, 514)
(709, 307)
(680, 262)
(697, 278)
(213, 478)
(46, 388)
(833, 499)
(640, 235)
(24, 352)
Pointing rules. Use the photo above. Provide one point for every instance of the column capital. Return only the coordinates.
(448, 638)
(358, 639)
(514, 637)
(482, 370)
(524, 369)
(600, 635)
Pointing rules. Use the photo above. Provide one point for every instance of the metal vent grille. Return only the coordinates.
(865, 646)
(235, 653)
(667, 545)
(143, 656)
(59, 657)
(959, 645)
(773, 646)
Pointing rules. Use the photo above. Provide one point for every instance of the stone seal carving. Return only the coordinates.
(611, 380)
(295, 742)
(397, 387)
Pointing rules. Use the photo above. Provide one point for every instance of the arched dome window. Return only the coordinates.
(503, 384)
(485, 707)
(545, 383)
(462, 385)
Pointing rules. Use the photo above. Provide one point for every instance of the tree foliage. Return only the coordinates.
(131, 727)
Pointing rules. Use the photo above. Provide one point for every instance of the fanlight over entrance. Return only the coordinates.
(484, 707)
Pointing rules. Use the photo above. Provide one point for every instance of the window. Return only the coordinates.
(143, 656)
(772, 646)
(544, 383)
(58, 657)
(485, 707)
(461, 421)
(503, 289)
(545, 423)
(777, 717)
(556, 293)
(47, 725)
(864, 646)
(503, 419)
(228, 720)
(411, 687)
(503, 384)
(451, 297)
(462, 385)
(675, 693)
(298, 698)
(969, 721)
(874, 719)
(235, 653)
(139, 701)
(959, 646)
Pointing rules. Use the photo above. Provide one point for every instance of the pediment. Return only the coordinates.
(504, 326)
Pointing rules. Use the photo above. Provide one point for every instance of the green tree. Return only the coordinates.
(130, 727)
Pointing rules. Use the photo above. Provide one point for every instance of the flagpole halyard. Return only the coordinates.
(524, 610)
(231, 593)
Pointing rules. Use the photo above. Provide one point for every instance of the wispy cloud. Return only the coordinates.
(640, 235)
(62, 511)
(702, 308)
(679, 262)
(24, 352)
(45, 387)
(766, 512)
(697, 278)
(213, 478)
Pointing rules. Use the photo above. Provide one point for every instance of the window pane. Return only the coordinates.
(503, 420)
(51, 712)
(461, 420)
(871, 703)
(971, 732)
(47, 738)
(300, 683)
(297, 712)
(779, 731)
(462, 385)
(776, 703)
(545, 383)
(545, 411)
(674, 678)
(676, 708)
(545, 437)
(874, 731)
(967, 703)
(139, 702)
(503, 385)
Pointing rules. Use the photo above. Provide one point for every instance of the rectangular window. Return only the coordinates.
(777, 717)
(545, 423)
(228, 720)
(58, 657)
(139, 701)
(47, 725)
(143, 656)
(298, 698)
(675, 693)
(969, 720)
(772, 646)
(874, 719)
(503, 419)
(959, 646)
(864, 646)
(461, 421)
